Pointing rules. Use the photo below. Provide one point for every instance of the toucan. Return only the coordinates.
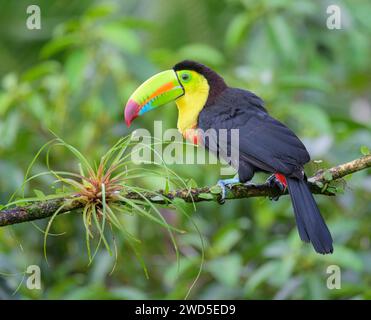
(205, 102)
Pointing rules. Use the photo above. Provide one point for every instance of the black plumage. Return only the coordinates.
(265, 144)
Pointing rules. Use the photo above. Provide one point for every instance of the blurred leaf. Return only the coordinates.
(215, 189)
(206, 196)
(75, 68)
(102, 266)
(10, 81)
(284, 271)
(138, 23)
(9, 129)
(167, 187)
(316, 286)
(201, 52)
(343, 229)
(38, 108)
(39, 194)
(60, 44)
(40, 70)
(226, 269)
(100, 11)
(263, 273)
(225, 239)
(276, 249)
(346, 258)
(283, 38)
(237, 30)
(191, 183)
(175, 271)
(120, 36)
(5, 102)
(307, 81)
(313, 120)
(365, 150)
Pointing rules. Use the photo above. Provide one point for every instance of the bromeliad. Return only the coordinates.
(205, 102)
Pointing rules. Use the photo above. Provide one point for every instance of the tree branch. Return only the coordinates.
(318, 185)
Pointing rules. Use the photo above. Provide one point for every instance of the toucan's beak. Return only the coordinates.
(156, 91)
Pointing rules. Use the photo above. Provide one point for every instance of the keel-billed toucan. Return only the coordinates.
(205, 102)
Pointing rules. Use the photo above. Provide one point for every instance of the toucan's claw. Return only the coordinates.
(273, 182)
(221, 200)
(223, 184)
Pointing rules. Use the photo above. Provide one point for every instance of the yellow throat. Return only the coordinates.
(192, 102)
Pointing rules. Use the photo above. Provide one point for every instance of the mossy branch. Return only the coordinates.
(318, 185)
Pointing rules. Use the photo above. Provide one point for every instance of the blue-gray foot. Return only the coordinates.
(226, 183)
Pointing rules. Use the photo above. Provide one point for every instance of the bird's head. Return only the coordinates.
(190, 84)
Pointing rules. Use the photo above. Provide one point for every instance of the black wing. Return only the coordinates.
(264, 142)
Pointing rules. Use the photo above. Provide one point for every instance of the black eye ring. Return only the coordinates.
(185, 76)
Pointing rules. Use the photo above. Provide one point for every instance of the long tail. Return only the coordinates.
(311, 226)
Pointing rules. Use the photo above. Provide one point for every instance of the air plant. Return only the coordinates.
(104, 189)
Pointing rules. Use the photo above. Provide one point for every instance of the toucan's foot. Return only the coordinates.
(273, 182)
(223, 184)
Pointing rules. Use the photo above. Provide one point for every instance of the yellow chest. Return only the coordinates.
(190, 105)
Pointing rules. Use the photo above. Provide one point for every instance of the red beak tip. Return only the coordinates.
(131, 112)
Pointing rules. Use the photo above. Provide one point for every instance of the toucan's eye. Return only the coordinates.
(185, 77)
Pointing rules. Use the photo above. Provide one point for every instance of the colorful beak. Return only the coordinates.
(156, 91)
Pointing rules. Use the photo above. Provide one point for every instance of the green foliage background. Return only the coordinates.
(74, 76)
